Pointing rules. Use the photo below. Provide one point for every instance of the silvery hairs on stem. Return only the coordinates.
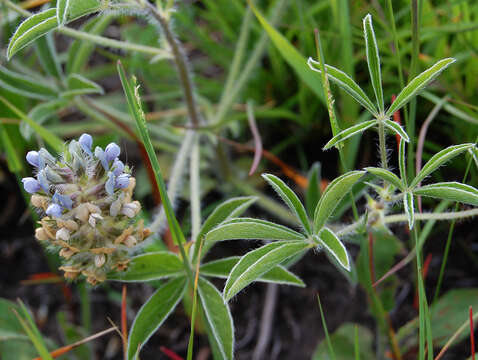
(89, 216)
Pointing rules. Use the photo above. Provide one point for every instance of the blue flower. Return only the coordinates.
(86, 141)
(54, 210)
(122, 181)
(118, 167)
(45, 185)
(63, 200)
(112, 151)
(100, 155)
(33, 158)
(31, 185)
(110, 183)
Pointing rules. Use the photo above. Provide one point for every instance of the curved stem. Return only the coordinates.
(179, 58)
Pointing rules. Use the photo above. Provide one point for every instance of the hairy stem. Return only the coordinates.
(382, 144)
(179, 58)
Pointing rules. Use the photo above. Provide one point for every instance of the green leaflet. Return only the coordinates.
(386, 175)
(346, 83)
(251, 229)
(312, 194)
(349, 132)
(62, 7)
(336, 190)
(257, 262)
(418, 84)
(291, 200)
(409, 208)
(222, 267)
(438, 160)
(79, 85)
(153, 313)
(23, 85)
(401, 162)
(218, 316)
(373, 60)
(396, 129)
(334, 247)
(150, 266)
(454, 191)
(47, 55)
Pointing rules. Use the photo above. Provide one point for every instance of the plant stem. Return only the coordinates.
(397, 218)
(382, 144)
(179, 58)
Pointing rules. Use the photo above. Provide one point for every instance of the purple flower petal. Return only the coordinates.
(33, 158)
(118, 167)
(31, 185)
(122, 181)
(86, 141)
(100, 155)
(112, 151)
(110, 184)
(63, 200)
(54, 210)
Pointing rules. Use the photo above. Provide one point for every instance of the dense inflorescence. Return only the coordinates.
(88, 213)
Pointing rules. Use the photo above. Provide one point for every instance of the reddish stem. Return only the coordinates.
(398, 120)
(170, 353)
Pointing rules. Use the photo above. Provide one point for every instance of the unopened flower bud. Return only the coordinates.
(131, 209)
(63, 234)
(33, 158)
(54, 210)
(41, 234)
(100, 155)
(86, 141)
(31, 185)
(100, 260)
(112, 151)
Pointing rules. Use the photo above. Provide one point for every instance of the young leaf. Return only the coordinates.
(23, 85)
(259, 261)
(150, 266)
(62, 7)
(218, 316)
(312, 193)
(386, 175)
(49, 137)
(349, 132)
(31, 29)
(401, 162)
(454, 191)
(418, 84)
(373, 60)
(153, 313)
(47, 55)
(346, 83)
(396, 129)
(336, 190)
(79, 85)
(291, 199)
(409, 208)
(251, 229)
(221, 269)
(334, 247)
(438, 160)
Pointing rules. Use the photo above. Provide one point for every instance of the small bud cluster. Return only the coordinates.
(90, 216)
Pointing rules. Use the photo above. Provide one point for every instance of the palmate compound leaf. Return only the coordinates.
(417, 84)
(346, 83)
(454, 191)
(221, 268)
(349, 132)
(150, 266)
(218, 317)
(331, 197)
(153, 313)
(333, 246)
(373, 60)
(291, 200)
(438, 160)
(258, 262)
